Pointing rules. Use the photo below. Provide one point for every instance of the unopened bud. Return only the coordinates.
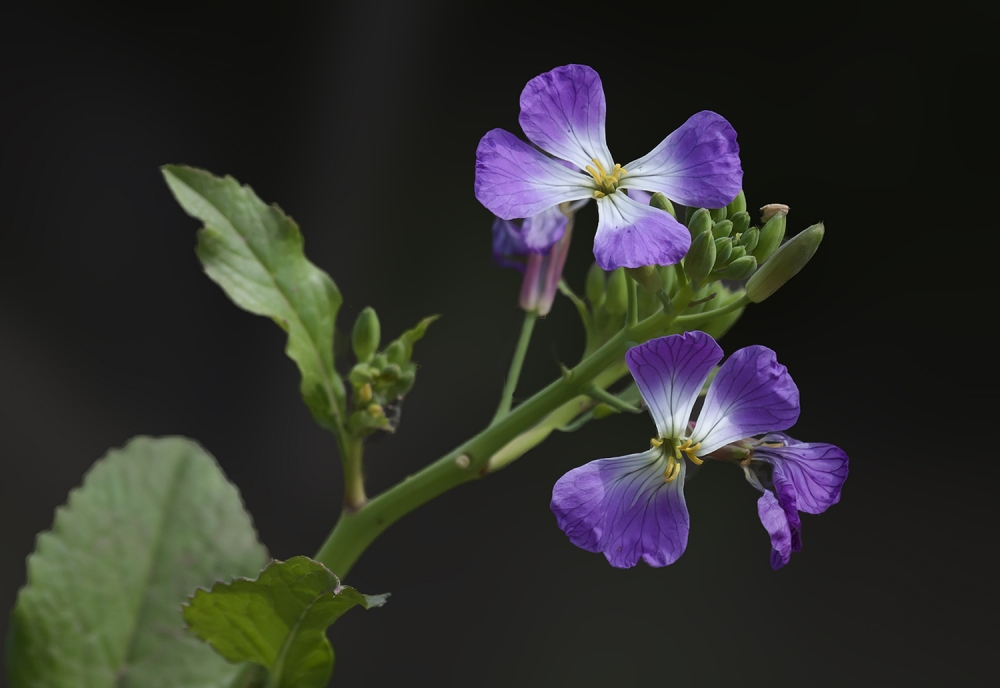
(700, 221)
(366, 335)
(364, 394)
(700, 257)
(718, 214)
(723, 247)
(722, 229)
(396, 353)
(375, 411)
(391, 372)
(737, 205)
(771, 235)
(668, 275)
(749, 239)
(771, 209)
(647, 277)
(663, 203)
(737, 253)
(379, 361)
(740, 222)
(616, 302)
(785, 263)
(739, 269)
(594, 288)
(361, 374)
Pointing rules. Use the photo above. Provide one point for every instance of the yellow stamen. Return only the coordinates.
(606, 182)
(656, 442)
(689, 451)
(673, 470)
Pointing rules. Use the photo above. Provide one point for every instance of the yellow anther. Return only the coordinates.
(673, 470)
(606, 182)
(656, 442)
(689, 450)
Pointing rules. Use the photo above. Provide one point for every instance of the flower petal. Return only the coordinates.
(507, 242)
(542, 231)
(752, 393)
(513, 180)
(623, 508)
(670, 372)
(630, 234)
(697, 165)
(816, 470)
(781, 520)
(562, 112)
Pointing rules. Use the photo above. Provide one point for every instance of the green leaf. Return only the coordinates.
(412, 336)
(278, 621)
(255, 253)
(152, 522)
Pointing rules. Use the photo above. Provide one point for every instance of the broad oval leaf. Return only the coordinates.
(278, 621)
(255, 253)
(152, 522)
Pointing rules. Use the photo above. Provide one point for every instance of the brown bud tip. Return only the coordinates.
(771, 209)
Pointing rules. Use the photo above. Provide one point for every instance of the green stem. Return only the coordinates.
(632, 312)
(685, 321)
(355, 531)
(515, 366)
(605, 397)
(351, 451)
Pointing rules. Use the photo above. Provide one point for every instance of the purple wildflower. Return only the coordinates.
(562, 112)
(632, 507)
(794, 476)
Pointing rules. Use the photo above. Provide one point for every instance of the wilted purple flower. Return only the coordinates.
(794, 476)
(632, 507)
(537, 246)
(562, 112)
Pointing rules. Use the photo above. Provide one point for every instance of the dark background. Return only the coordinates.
(362, 121)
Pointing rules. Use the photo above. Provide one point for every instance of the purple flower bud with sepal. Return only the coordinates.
(632, 507)
(563, 113)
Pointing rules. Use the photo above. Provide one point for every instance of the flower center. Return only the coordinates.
(607, 182)
(675, 458)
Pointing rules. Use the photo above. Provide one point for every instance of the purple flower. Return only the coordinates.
(537, 246)
(562, 112)
(632, 507)
(794, 476)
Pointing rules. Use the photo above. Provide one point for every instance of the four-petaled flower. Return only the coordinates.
(562, 112)
(794, 476)
(632, 507)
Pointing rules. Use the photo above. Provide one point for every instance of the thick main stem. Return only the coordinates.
(351, 452)
(355, 531)
(530, 317)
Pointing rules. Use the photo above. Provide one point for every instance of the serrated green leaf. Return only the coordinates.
(152, 522)
(412, 336)
(278, 621)
(255, 253)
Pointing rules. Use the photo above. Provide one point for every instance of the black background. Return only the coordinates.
(362, 121)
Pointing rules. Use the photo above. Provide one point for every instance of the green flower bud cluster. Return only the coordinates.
(723, 243)
(607, 299)
(380, 379)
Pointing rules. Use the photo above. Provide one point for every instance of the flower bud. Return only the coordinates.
(594, 288)
(723, 247)
(749, 239)
(771, 235)
(364, 394)
(396, 353)
(738, 269)
(717, 214)
(366, 335)
(785, 263)
(771, 209)
(647, 277)
(722, 229)
(737, 205)
(737, 253)
(391, 372)
(740, 222)
(668, 275)
(700, 221)
(700, 257)
(616, 302)
(361, 374)
(379, 361)
(663, 203)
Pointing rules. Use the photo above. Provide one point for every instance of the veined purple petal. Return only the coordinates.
(623, 508)
(542, 231)
(752, 393)
(697, 165)
(562, 112)
(640, 196)
(780, 518)
(670, 372)
(630, 234)
(507, 242)
(816, 470)
(513, 180)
